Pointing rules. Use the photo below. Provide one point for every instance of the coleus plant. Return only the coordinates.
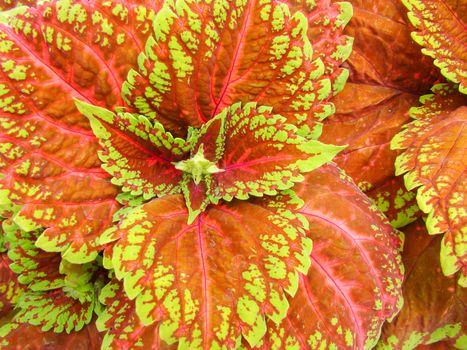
(163, 186)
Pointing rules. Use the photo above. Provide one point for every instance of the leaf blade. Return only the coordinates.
(434, 302)
(354, 282)
(434, 138)
(197, 263)
(137, 153)
(260, 52)
(258, 152)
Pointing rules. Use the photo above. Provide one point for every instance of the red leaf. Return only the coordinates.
(354, 282)
(434, 160)
(138, 154)
(383, 85)
(366, 120)
(216, 56)
(213, 280)
(384, 53)
(434, 305)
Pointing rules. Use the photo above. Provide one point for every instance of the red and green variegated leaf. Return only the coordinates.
(75, 223)
(136, 152)
(205, 56)
(10, 288)
(48, 56)
(38, 269)
(434, 305)
(434, 160)
(124, 330)
(55, 310)
(444, 98)
(259, 152)
(441, 31)
(209, 282)
(7, 207)
(128, 202)
(24, 336)
(354, 282)
(326, 22)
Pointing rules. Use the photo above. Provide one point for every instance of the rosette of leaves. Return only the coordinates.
(178, 138)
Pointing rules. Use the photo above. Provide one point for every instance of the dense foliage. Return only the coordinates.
(216, 174)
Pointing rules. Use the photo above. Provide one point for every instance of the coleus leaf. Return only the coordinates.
(55, 310)
(258, 152)
(244, 150)
(440, 29)
(209, 282)
(434, 161)
(364, 123)
(124, 330)
(217, 54)
(10, 288)
(3, 247)
(48, 56)
(354, 282)
(60, 295)
(136, 152)
(70, 306)
(434, 305)
(13, 334)
(36, 268)
(326, 22)
(442, 345)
